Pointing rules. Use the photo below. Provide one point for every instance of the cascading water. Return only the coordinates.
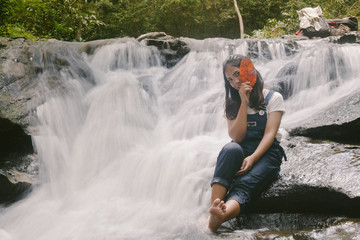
(128, 146)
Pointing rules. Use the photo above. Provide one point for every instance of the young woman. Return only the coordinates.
(251, 161)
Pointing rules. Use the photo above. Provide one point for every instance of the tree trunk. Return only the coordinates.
(240, 20)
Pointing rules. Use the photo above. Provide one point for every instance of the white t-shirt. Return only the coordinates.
(276, 103)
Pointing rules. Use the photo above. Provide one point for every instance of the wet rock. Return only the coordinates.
(291, 47)
(345, 229)
(351, 37)
(13, 139)
(10, 192)
(298, 227)
(21, 65)
(288, 221)
(17, 174)
(155, 35)
(287, 75)
(295, 37)
(319, 177)
(260, 48)
(16, 87)
(340, 122)
(16, 157)
(171, 49)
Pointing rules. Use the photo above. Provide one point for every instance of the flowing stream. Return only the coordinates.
(128, 147)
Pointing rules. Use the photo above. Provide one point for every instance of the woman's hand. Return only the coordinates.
(244, 92)
(246, 166)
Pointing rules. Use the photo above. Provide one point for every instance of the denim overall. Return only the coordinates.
(249, 186)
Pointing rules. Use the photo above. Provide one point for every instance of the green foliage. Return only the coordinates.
(95, 19)
(61, 19)
(196, 18)
(14, 30)
(273, 28)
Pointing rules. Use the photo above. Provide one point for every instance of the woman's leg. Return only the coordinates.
(217, 191)
(228, 163)
(244, 189)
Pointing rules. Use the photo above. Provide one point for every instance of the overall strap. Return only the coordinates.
(277, 144)
(268, 96)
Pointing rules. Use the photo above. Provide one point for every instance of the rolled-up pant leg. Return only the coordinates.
(228, 163)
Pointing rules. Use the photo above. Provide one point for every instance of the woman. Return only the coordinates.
(251, 161)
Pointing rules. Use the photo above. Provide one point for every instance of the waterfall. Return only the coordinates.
(128, 147)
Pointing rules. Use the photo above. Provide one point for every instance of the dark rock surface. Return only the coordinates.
(340, 122)
(319, 177)
(11, 192)
(287, 75)
(260, 48)
(287, 221)
(301, 226)
(18, 173)
(351, 37)
(295, 37)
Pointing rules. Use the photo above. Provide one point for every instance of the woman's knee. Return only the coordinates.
(233, 149)
(231, 156)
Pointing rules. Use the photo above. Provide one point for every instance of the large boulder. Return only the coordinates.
(172, 49)
(16, 86)
(319, 177)
(17, 92)
(318, 190)
(22, 63)
(339, 122)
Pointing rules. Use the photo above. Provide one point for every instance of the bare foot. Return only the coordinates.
(217, 214)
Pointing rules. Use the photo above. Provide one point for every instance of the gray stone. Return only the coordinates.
(295, 37)
(16, 87)
(154, 35)
(171, 49)
(319, 177)
(339, 122)
(351, 37)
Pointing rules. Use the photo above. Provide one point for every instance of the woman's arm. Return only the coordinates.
(272, 126)
(237, 127)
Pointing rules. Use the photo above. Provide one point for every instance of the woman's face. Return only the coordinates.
(232, 75)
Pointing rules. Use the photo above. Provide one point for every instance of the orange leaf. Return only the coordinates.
(247, 71)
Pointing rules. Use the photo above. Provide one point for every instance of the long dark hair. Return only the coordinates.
(232, 97)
